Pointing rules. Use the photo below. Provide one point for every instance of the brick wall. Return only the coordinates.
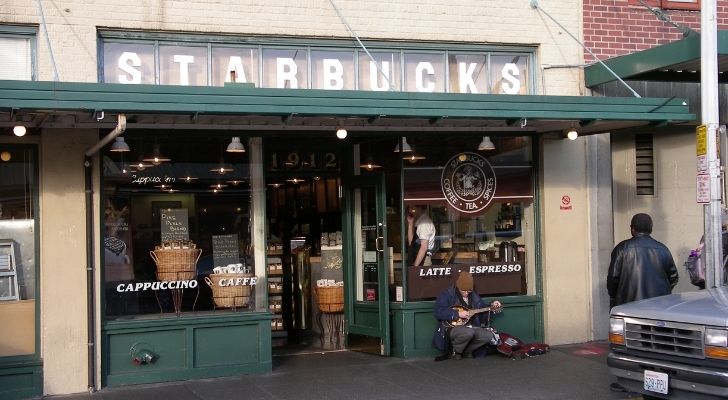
(614, 27)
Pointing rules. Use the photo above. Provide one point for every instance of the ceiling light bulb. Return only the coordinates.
(572, 134)
(5, 156)
(19, 130)
(341, 133)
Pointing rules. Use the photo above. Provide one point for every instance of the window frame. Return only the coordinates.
(693, 5)
(24, 32)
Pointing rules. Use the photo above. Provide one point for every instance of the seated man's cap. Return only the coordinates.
(465, 281)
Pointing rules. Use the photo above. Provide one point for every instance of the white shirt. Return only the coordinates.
(425, 229)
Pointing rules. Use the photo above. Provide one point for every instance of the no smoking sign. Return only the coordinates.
(565, 203)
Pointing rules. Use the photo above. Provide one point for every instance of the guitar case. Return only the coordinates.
(514, 347)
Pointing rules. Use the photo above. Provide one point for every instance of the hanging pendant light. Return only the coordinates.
(235, 146)
(222, 170)
(119, 145)
(156, 158)
(406, 148)
(369, 164)
(414, 157)
(486, 144)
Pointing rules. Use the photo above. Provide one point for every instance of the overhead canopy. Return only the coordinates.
(678, 61)
(86, 105)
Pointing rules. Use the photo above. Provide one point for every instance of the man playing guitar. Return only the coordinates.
(458, 310)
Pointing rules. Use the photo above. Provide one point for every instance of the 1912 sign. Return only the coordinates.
(296, 160)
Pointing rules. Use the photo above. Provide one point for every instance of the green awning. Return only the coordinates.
(678, 61)
(68, 104)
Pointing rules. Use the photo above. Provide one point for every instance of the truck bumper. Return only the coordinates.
(684, 382)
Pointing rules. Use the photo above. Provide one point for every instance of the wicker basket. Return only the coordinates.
(229, 296)
(176, 264)
(330, 298)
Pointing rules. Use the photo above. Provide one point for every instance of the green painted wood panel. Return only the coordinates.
(366, 315)
(21, 382)
(226, 345)
(169, 345)
(413, 325)
(188, 348)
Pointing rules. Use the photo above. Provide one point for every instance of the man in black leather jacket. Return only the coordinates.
(641, 267)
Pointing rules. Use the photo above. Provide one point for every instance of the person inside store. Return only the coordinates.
(420, 236)
(640, 268)
(462, 317)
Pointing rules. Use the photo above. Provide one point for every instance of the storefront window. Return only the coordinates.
(180, 65)
(381, 72)
(129, 63)
(468, 73)
(509, 74)
(480, 204)
(144, 57)
(18, 221)
(329, 70)
(243, 61)
(424, 72)
(178, 212)
(285, 69)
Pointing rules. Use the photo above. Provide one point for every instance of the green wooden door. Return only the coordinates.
(365, 272)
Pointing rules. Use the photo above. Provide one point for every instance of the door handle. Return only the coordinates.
(379, 241)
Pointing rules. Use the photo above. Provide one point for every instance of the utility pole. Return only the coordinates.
(709, 116)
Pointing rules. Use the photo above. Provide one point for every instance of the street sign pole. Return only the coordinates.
(709, 116)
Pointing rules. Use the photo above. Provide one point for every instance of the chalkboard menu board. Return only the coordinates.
(174, 224)
(225, 250)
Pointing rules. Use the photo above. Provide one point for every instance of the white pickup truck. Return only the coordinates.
(672, 347)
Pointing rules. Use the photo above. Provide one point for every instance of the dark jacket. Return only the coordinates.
(443, 312)
(641, 268)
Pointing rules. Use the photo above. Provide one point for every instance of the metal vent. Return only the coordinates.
(644, 165)
(664, 337)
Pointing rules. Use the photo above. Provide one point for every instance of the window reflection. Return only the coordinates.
(481, 204)
(18, 214)
(170, 227)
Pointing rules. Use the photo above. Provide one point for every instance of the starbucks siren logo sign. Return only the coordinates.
(468, 182)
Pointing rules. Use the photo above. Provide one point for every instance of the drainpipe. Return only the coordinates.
(90, 245)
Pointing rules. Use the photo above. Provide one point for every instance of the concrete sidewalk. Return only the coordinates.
(567, 372)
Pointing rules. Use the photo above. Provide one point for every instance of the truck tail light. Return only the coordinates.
(616, 331)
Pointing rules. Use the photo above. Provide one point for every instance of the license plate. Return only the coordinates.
(655, 382)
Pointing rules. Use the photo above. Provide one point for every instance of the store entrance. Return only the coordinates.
(329, 206)
(304, 244)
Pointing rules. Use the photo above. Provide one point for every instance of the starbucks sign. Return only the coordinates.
(468, 183)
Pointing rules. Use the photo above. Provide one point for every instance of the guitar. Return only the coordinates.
(463, 321)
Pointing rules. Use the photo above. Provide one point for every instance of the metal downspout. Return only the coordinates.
(90, 245)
